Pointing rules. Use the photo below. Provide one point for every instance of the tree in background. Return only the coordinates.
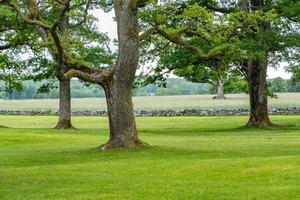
(294, 82)
(190, 45)
(268, 36)
(249, 35)
(82, 26)
(42, 64)
(278, 85)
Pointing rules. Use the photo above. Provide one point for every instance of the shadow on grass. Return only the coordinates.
(44, 131)
(237, 131)
(184, 131)
(144, 154)
(276, 127)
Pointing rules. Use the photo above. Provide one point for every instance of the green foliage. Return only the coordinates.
(10, 74)
(197, 27)
(278, 85)
(232, 85)
(80, 37)
(172, 86)
(223, 32)
(289, 9)
(16, 37)
(48, 89)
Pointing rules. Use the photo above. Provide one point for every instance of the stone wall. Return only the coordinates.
(182, 112)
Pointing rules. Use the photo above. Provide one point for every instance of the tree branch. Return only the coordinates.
(213, 55)
(6, 46)
(60, 2)
(147, 33)
(24, 18)
(178, 40)
(97, 76)
(62, 13)
(85, 13)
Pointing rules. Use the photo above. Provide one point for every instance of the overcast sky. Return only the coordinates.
(109, 26)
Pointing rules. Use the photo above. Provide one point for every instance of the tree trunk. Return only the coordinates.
(220, 90)
(123, 132)
(257, 83)
(64, 121)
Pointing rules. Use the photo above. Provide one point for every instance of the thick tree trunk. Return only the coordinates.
(123, 133)
(64, 121)
(257, 83)
(220, 90)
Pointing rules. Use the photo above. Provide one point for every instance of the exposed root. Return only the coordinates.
(120, 144)
(261, 123)
(219, 98)
(64, 125)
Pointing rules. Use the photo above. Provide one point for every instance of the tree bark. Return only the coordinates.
(122, 126)
(64, 121)
(257, 83)
(257, 74)
(123, 132)
(220, 90)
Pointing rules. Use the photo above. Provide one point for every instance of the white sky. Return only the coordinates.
(109, 26)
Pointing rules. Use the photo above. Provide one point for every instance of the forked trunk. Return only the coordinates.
(123, 133)
(64, 121)
(257, 83)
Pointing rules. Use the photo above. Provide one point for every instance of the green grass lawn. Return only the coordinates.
(189, 158)
(156, 102)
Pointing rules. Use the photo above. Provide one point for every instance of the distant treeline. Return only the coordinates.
(174, 86)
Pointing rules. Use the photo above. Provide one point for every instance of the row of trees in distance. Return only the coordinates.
(173, 86)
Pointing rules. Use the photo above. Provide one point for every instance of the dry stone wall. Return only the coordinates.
(169, 112)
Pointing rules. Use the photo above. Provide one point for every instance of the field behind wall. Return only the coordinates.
(233, 101)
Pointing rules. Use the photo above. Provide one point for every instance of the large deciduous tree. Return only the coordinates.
(248, 35)
(270, 37)
(80, 24)
(117, 80)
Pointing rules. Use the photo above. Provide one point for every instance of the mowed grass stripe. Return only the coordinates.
(189, 158)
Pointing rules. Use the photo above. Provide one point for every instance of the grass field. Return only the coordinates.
(156, 102)
(189, 158)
